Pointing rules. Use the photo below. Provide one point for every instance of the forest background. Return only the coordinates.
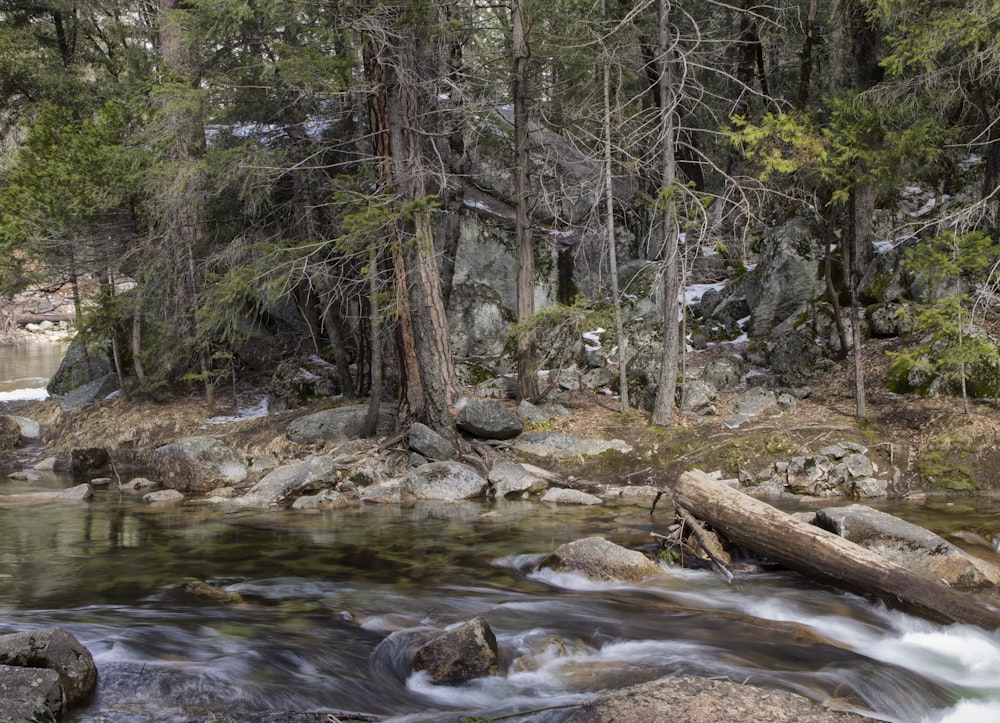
(235, 159)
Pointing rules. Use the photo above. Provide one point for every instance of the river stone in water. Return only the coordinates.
(562, 496)
(509, 478)
(196, 465)
(916, 548)
(444, 481)
(57, 650)
(462, 653)
(600, 559)
(30, 694)
(488, 419)
(689, 699)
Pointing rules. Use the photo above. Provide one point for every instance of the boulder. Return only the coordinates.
(600, 559)
(325, 500)
(507, 478)
(563, 496)
(532, 414)
(425, 441)
(163, 497)
(74, 371)
(912, 546)
(489, 419)
(597, 378)
(478, 321)
(690, 699)
(333, 425)
(280, 486)
(888, 320)
(57, 650)
(28, 695)
(463, 653)
(723, 373)
(389, 493)
(80, 492)
(444, 481)
(695, 394)
(196, 465)
(559, 444)
(89, 393)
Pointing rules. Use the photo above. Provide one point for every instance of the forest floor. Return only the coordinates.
(926, 445)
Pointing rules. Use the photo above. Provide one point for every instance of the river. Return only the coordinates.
(332, 601)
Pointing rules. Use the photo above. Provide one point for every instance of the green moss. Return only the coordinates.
(947, 464)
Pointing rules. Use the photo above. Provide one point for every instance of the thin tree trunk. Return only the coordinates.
(806, 58)
(663, 409)
(609, 210)
(527, 378)
(375, 398)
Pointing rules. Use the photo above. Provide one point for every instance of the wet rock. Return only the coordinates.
(333, 425)
(325, 500)
(687, 699)
(912, 546)
(488, 420)
(563, 496)
(507, 478)
(57, 650)
(89, 462)
(558, 444)
(425, 441)
(463, 653)
(600, 559)
(278, 487)
(80, 493)
(444, 481)
(163, 497)
(196, 465)
(28, 695)
(213, 594)
(139, 484)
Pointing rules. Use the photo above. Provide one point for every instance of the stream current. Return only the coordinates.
(334, 601)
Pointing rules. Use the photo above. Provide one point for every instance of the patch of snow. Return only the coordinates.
(257, 410)
(594, 338)
(693, 292)
(18, 395)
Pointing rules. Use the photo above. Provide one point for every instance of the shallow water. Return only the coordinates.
(336, 602)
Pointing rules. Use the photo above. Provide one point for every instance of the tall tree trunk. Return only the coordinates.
(806, 58)
(527, 378)
(666, 222)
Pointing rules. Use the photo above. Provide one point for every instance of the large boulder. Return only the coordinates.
(600, 559)
(28, 695)
(463, 653)
(428, 443)
(507, 478)
(57, 650)
(89, 393)
(196, 465)
(335, 425)
(488, 419)
(281, 486)
(690, 699)
(909, 545)
(444, 481)
(82, 364)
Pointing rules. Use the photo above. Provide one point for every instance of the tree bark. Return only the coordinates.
(666, 223)
(527, 379)
(822, 555)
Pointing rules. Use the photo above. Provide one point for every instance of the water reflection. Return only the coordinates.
(334, 603)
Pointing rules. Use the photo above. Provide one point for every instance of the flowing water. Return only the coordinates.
(335, 602)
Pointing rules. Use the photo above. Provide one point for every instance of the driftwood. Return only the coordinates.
(822, 555)
(28, 318)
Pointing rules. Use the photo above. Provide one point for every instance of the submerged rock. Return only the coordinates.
(600, 559)
(462, 653)
(690, 699)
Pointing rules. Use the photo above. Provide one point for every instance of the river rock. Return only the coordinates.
(196, 465)
(278, 487)
(57, 650)
(488, 419)
(507, 478)
(425, 441)
(912, 546)
(563, 496)
(28, 695)
(444, 481)
(559, 444)
(600, 559)
(89, 393)
(80, 493)
(333, 425)
(325, 500)
(463, 653)
(163, 497)
(690, 699)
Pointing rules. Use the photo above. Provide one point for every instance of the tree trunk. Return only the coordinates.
(822, 555)
(666, 223)
(527, 378)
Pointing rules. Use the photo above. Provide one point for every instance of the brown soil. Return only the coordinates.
(929, 441)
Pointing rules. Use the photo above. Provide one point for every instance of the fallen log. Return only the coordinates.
(816, 553)
(26, 318)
